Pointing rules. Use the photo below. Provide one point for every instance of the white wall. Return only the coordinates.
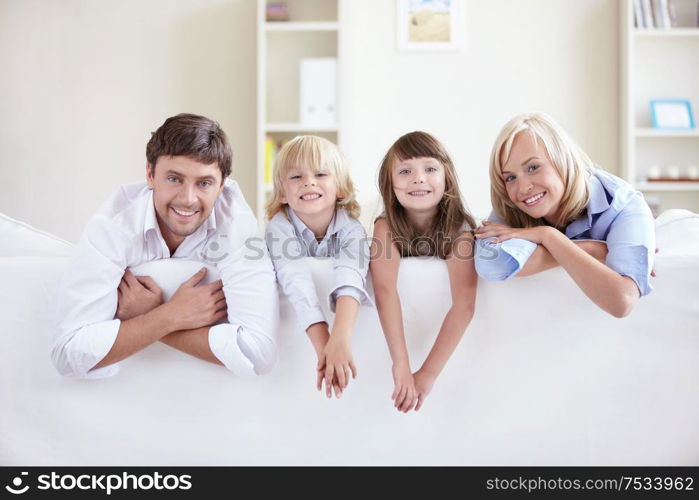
(85, 82)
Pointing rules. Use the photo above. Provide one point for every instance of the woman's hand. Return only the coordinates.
(404, 395)
(503, 232)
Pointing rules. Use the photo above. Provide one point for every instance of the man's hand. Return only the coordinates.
(137, 295)
(195, 306)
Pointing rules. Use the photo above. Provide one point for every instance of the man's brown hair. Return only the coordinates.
(194, 136)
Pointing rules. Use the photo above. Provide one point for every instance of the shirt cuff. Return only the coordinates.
(348, 282)
(223, 341)
(88, 347)
(501, 261)
(348, 291)
(632, 261)
(308, 315)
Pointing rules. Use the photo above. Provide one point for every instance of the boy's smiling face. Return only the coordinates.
(184, 194)
(310, 193)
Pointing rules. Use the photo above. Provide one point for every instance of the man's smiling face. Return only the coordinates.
(184, 194)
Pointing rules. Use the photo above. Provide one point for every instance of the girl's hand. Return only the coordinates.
(339, 365)
(404, 395)
(423, 385)
(502, 232)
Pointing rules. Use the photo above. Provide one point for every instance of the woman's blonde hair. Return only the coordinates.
(317, 154)
(447, 225)
(569, 160)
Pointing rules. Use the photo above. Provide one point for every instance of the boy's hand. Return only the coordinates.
(339, 364)
(137, 295)
(195, 306)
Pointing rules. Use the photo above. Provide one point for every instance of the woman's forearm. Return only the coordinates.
(611, 291)
(542, 260)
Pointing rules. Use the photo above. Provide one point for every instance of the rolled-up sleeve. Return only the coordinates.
(86, 303)
(293, 272)
(350, 267)
(247, 344)
(631, 243)
(501, 261)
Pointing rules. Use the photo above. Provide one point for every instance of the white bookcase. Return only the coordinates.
(313, 30)
(659, 63)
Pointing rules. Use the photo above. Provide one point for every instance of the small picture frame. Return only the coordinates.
(430, 25)
(671, 114)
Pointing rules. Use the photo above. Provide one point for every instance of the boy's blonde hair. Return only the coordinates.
(569, 160)
(317, 154)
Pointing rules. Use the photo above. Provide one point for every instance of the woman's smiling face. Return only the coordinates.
(531, 180)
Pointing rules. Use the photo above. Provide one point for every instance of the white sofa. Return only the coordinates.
(541, 377)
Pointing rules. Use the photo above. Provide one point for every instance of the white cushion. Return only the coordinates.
(541, 377)
(18, 239)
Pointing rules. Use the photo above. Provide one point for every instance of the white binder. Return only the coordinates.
(318, 88)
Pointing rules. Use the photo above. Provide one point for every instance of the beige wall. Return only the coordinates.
(85, 81)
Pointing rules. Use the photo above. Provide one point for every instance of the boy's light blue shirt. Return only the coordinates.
(289, 240)
(616, 214)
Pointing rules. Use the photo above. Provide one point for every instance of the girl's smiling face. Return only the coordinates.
(532, 182)
(418, 183)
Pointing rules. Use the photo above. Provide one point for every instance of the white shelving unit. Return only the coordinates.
(313, 30)
(659, 63)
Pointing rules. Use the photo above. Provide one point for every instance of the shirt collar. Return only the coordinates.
(340, 220)
(598, 203)
(151, 222)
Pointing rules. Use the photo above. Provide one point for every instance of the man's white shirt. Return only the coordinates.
(123, 234)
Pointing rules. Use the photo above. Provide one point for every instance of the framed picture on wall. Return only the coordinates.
(671, 114)
(430, 25)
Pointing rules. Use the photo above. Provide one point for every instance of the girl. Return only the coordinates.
(313, 212)
(423, 216)
(547, 196)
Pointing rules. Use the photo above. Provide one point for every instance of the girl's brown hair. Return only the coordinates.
(447, 224)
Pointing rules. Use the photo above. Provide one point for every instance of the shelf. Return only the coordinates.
(296, 127)
(666, 32)
(667, 186)
(301, 26)
(653, 132)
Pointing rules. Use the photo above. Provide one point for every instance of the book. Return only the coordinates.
(276, 11)
(637, 14)
(662, 16)
(671, 13)
(270, 155)
(647, 9)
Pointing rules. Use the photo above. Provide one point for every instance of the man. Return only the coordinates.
(186, 209)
